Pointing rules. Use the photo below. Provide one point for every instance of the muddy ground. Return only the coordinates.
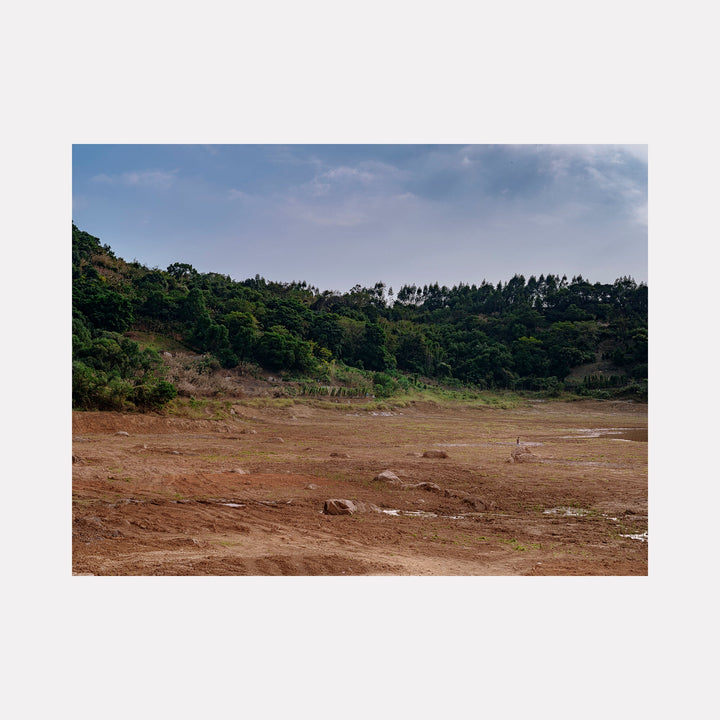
(245, 496)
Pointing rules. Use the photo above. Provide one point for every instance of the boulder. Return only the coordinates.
(387, 476)
(339, 507)
(435, 454)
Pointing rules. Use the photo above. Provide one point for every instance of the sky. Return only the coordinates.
(340, 215)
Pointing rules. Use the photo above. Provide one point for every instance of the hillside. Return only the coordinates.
(142, 335)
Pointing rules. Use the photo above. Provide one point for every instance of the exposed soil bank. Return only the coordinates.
(245, 496)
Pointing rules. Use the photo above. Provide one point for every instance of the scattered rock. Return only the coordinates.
(435, 454)
(339, 455)
(366, 507)
(521, 453)
(430, 487)
(122, 432)
(475, 503)
(339, 507)
(388, 476)
(456, 494)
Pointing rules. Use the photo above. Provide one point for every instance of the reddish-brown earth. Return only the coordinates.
(165, 498)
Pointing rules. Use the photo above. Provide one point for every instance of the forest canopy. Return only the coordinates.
(527, 334)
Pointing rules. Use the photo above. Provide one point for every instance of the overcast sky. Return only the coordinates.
(338, 215)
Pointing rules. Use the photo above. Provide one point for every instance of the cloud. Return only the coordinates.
(142, 178)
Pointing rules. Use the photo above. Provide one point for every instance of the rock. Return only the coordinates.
(367, 507)
(122, 432)
(240, 471)
(275, 440)
(435, 454)
(339, 507)
(456, 494)
(75, 459)
(167, 354)
(430, 487)
(522, 454)
(339, 455)
(475, 503)
(387, 476)
(311, 486)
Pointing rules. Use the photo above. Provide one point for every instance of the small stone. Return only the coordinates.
(122, 432)
(435, 454)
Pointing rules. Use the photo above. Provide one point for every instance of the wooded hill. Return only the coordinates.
(543, 334)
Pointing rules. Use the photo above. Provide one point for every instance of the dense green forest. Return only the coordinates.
(526, 335)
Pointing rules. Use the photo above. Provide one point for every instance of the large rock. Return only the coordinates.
(339, 507)
(387, 476)
(435, 454)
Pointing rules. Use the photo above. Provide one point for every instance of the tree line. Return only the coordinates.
(524, 334)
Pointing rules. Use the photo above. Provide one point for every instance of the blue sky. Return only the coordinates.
(338, 215)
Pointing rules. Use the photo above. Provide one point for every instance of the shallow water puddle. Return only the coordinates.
(640, 536)
(629, 434)
(411, 513)
(421, 513)
(575, 512)
(566, 511)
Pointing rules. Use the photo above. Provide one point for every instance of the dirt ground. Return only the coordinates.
(174, 496)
